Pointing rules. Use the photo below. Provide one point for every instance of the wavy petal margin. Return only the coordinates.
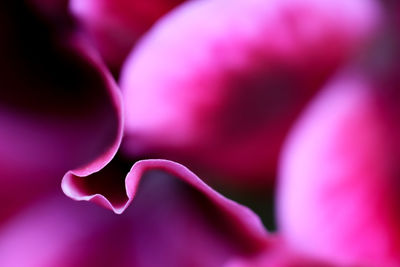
(59, 106)
(116, 98)
(240, 216)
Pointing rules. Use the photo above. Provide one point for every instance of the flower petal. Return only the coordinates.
(59, 107)
(105, 191)
(115, 25)
(217, 84)
(277, 254)
(338, 193)
(174, 220)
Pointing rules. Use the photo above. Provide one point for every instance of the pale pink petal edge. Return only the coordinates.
(80, 43)
(241, 216)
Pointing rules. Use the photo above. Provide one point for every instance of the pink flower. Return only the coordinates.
(216, 85)
(65, 112)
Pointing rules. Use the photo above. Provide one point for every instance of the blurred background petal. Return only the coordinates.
(338, 195)
(216, 85)
(338, 191)
(115, 26)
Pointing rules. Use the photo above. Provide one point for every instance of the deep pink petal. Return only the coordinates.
(174, 220)
(115, 25)
(217, 84)
(102, 188)
(338, 194)
(277, 254)
(59, 107)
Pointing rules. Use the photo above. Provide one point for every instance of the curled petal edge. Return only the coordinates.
(240, 215)
(81, 45)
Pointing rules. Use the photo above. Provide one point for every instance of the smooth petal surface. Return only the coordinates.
(59, 107)
(217, 84)
(279, 255)
(174, 220)
(338, 193)
(53, 232)
(116, 25)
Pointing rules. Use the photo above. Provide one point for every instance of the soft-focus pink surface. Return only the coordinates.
(59, 107)
(173, 220)
(217, 84)
(338, 194)
(115, 25)
(279, 255)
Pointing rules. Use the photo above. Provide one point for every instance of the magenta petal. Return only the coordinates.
(115, 25)
(338, 193)
(217, 84)
(45, 233)
(174, 220)
(166, 227)
(75, 187)
(277, 254)
(59, 107)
